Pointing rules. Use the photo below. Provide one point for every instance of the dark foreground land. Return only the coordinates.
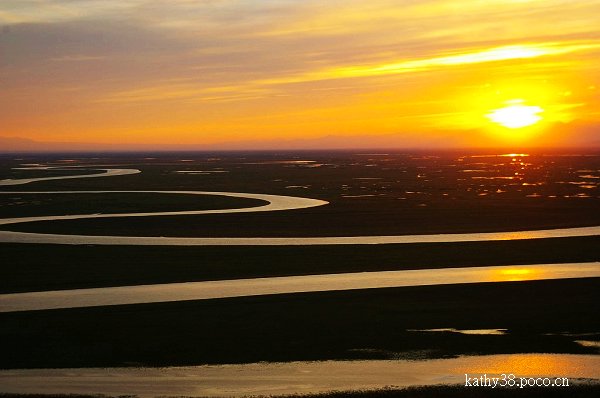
(579, 391)
(369, 195)
(575, 391)
(541, 316)
(384, 194)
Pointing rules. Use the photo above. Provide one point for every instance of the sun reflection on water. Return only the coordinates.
(527, 365)
(517, 274)
(514, 274)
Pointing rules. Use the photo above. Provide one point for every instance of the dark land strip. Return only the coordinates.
(30, 267)
(591, 390)
(362, 324)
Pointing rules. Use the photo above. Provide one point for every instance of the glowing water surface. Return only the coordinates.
(274, 203)
(290, 284)
(292, 377)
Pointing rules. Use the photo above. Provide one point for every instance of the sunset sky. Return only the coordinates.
(254, 74)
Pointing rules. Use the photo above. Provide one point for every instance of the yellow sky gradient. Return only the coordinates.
(260, 74)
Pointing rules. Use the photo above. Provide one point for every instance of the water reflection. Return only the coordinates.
(289, 284)
(293, 377)
(102, 173)
(588, 343)
(530, 365)
(515, 274)
(486, 332)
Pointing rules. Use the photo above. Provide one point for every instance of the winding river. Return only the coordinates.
(168, 292)
(276, 378)
(268, 379)
(264, 286)
(273, 203)
(105, 173)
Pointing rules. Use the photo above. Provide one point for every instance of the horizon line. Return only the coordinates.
(508, 149)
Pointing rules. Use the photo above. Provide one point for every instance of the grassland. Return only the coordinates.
(53, 267)
(329, 325)
(398, 194)
(29, 205)
(575, 391)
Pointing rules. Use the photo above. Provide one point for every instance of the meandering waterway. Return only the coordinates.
(267, 379)
(168, 292)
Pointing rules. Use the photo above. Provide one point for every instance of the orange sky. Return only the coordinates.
(243, 73)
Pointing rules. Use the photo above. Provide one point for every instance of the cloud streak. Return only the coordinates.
(504, 53)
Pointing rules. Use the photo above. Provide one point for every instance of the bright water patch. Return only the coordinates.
(169, 292)
(267, 379)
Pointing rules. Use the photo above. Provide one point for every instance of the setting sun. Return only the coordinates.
(302, 74)
(354, 198)
(516, 115)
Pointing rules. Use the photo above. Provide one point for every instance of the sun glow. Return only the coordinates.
(516, 115)
(513, 111)
(514, 274)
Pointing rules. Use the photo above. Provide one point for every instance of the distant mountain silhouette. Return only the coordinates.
(14, 144)
(570, 135)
